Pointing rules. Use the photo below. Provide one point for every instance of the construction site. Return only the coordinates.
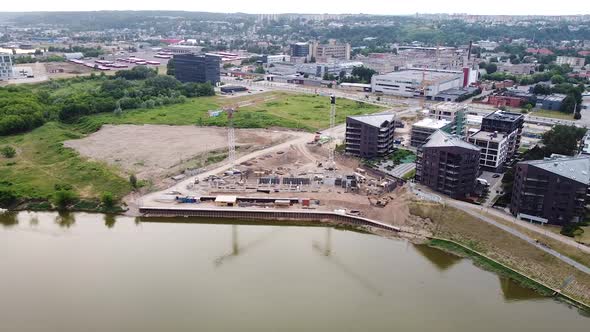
(304, 173)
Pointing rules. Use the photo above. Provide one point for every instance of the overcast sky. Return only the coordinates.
(513, 7)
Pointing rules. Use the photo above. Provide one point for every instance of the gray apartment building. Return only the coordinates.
(553, 190)
(508, 123)
(369, 136)
(197, 68)
(448, 164)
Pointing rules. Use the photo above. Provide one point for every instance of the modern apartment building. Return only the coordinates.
(197, 68)
(448, 164)
(331, 50)
(510, 124)
(422, 130)
(494, 148)
(370, 136)
(553, 190)
(5, 66)
(453, 112)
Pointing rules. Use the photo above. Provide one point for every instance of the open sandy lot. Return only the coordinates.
(156, 151)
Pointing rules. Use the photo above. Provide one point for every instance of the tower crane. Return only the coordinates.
(423, 89)
(331, 163)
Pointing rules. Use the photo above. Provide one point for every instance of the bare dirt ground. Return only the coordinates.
(156, 151)
(68, 69)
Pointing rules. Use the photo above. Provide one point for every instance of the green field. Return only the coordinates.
(305, 112)
(42, 166)
(553, 114)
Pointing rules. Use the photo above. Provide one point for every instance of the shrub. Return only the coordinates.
(107, 200)
(63, 198)
(8, 152)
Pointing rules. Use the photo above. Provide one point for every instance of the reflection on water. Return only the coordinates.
(109, 220)
(439, 258)
(65, 219)
(513, 291)
(9, 219)
(220, 276)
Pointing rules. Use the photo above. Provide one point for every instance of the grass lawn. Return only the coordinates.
(42, 165)
(306, 112)
(552, 114)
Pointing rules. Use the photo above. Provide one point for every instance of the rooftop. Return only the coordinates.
(555, 97)
(575, 168)
(375, 120)
(417, 75)
(505, 116)
(489, 136)
(431, 123)
(441, 139)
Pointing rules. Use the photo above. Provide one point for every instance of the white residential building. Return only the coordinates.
(494, 148)
(5, 66)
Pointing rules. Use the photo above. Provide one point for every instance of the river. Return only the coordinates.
(92, 272)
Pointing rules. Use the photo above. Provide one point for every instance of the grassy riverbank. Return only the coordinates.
(457, 226)
(489, 265)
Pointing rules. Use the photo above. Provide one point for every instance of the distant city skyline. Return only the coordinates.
(498, 7)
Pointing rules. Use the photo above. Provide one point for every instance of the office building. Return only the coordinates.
(507, 123)
(417, 82)
(553, 190)
(370, 136)
(197, 68)
(272, 59)
(300, 50)
(494, 149)
(447, 164)
(453, 112)
(571, 61)
(5, 66)
(421, 130)
(517, 69)
(553, 102)
(320, 69)
(331, 50)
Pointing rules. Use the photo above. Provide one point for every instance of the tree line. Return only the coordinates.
(23, 108)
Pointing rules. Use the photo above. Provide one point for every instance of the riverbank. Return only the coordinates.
(448, 223)
(492, 265)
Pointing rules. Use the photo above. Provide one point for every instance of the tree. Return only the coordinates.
(557, 79)
(8, 152)
(259, 70)
(7, 198)
(542, 89)
(562, 140)
(577, 116)
(133, 181)
(491, 68)
(107, 200)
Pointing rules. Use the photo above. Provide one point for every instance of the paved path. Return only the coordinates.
(524, 237)
(476, 211)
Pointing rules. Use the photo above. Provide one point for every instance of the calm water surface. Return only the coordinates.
(90, 272)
